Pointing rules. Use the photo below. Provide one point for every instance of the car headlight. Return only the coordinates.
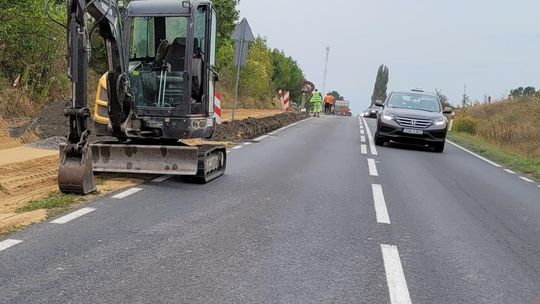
(387, 116)
(439, 121)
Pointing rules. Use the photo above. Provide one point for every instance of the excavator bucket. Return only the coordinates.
(147, 159)
(75, 174)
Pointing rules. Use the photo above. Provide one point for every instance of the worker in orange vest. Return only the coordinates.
(328, 103)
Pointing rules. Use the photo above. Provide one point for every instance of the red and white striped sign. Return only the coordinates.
(285, 98)
(217, 108)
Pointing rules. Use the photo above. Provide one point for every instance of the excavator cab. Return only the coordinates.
(171, 70)
(159, 89)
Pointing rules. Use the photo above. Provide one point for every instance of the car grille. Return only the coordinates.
(413, 122)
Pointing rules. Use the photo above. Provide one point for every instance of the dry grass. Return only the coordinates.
(18, 102)
(513, 125)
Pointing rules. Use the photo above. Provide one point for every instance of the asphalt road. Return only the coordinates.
(302, 216)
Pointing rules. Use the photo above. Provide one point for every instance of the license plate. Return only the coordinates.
(413, 131)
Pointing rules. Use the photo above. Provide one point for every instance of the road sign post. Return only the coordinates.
(242, 37)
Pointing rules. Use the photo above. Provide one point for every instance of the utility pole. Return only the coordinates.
(325, 70)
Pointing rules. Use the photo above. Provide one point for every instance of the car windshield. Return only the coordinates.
(414, 101)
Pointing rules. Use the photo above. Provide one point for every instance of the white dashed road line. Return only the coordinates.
(247, 143)
(526, 179)
(363, 149)
(509, 171)
(161, 179)
(380, 205)
(73, 215)
(362, 131)
(372, 167)
(362, 138)
(237, 147)
(5, 244)
(126, 193)
(474, 154)
(395, 278)
(370, 137)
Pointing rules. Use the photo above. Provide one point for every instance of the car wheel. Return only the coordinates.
(379, 141)
(439, 147)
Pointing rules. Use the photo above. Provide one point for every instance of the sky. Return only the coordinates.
(491, 46)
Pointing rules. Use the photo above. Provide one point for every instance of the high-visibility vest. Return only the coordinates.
(329, 99)
(316, 98)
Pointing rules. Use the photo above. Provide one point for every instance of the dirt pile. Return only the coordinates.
(51, 121)
(253, 127)
(226, 114)
(52, 124)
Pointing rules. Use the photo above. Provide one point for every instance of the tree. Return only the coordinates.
(256, 76)
(529, 91)
(465, 100)
(32, 46)
(443, 98)
(517, 92)
(337, 96)
(227, 16)
(381, 84)
(287, 75)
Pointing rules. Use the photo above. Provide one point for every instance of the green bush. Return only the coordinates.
(32, 48)
(465, 124)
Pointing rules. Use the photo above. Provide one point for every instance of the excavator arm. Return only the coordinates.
(75, 171)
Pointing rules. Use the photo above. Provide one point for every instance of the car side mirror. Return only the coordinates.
(379, 103)
(447, 110)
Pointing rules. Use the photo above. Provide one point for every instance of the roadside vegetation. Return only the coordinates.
(507, 131)
(381, 84)
(55, 201)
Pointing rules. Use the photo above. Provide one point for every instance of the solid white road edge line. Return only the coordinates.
(395, 278)
(73, 215)
(126, 193)
(288, 126)
(247, 143)
(237, 147)
(370, 137)
(161, 179)
(509, 171)
(363, 149)
(372, 167)
(380, 205)
(5, 244)
(474, 154)
(526, 179)
(362, 138)
(260, 138)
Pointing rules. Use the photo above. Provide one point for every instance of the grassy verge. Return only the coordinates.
(55, 203)
(509, 159)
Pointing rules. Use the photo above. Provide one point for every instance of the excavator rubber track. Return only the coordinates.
(212, 163)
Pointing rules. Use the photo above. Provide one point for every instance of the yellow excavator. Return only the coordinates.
(159, 89)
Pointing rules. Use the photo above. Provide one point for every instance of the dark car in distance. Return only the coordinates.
(412, 117)
(373, 111)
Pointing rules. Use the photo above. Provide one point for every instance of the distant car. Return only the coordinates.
(412, 117)
(373, 111)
